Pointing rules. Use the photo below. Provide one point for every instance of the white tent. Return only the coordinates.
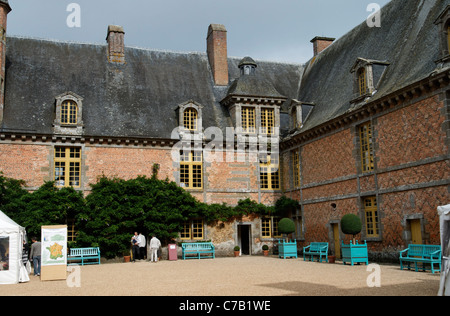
(12, 235)
(444, 215)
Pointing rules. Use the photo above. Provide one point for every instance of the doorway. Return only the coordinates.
(336, 240)
(244, 238)
(416, 231)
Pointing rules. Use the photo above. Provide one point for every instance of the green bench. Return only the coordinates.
(85, 255)
(198, 249)
(425, 254)
(319, 249)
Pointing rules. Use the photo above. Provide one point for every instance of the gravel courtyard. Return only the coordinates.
(243, 276)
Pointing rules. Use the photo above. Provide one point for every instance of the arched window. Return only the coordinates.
(190, 119)
(362, 82)
(69, 112)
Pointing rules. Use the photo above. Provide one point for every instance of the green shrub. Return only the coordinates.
(286, 226)
(351, 224)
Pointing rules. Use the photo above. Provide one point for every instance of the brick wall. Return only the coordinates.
(411, 176)
(30, 163)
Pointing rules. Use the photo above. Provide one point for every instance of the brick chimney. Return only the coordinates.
(116, 44)
(216, 47)
(320, 43)
(4, 10)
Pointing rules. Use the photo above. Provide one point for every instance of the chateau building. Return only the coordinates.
(362, 127)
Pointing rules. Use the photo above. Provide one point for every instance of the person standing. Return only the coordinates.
(35, 255)
(142, 245)
(135, 240)
(154, 246)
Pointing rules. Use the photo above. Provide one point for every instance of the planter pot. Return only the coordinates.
(354, 253)
(266, 252)
(287, 249)
(127, 258)
(331, 259)
(236, 253)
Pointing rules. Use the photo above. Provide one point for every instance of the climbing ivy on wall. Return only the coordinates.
(115, 208)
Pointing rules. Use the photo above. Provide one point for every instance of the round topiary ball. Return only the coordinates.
(351, 224)
(286, 226)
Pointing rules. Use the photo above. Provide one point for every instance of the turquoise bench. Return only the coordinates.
(198, 249)
(319, 249)
(421, 254)
(85, 255)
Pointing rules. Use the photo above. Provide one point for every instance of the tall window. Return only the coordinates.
(190, 119)
(192, 229)
(362, 84)
(191, 166)
(371, 216)
(269, 173)
(267, 120)
(366, 144)
(67, 168)
(269, 227)
(248, 120)
(69, 112)
(296, 167)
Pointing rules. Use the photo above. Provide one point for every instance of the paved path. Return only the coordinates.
(243, 276)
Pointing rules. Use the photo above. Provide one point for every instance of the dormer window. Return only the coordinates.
(443, 23)
(190, 117)
(68, 114)
(367, 75)
(299, 113)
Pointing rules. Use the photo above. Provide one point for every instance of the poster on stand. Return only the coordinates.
(54, 252)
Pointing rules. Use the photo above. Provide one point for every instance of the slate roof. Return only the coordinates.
(407, 39)
(137, 99)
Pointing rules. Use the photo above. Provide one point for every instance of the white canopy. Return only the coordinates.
(444, 215)
(12, 235)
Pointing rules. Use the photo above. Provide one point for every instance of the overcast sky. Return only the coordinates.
(278, 30)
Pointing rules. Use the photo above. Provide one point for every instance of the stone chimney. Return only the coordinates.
(216, 47)
(116, 44)
(4, 10)
(320, 43)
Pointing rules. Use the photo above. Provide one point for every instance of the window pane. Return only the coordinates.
(265, 227)
(184, 175)
(197, 229)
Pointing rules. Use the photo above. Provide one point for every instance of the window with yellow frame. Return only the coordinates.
(190, 118)
(362, 82)
(248, 120)
(269, 227)
(69, 112)
(67, 167)
(366, 147)
(191, 166)
(371, 216)
(269, 174)
(193, 229)
(267, 121)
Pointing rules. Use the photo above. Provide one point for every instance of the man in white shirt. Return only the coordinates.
(142, 245)
(154, 246)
